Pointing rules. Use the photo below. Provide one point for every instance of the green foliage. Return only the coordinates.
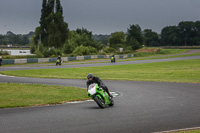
(68, 47)
(39, 54)
(53, 31)
(169, 36)
(32, 45)
(59, 8)
(83, 37)
(84, 31)
(52, 52)
(101, 39)
(185, 34)
(43, 51)
(134, 37)
(17, 39)
(109, 50)
(102, 53)
(3, 52)
(82, 50)
(99, 46)
(41, 47)
(134, 44)
(150, 38)
(117, 40)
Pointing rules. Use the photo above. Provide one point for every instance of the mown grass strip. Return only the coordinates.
(173, 71)
(23, 95)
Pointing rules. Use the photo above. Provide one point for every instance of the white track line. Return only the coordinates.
(6, 75)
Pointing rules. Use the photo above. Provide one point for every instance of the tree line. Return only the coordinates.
(187, 33)
(16, 39)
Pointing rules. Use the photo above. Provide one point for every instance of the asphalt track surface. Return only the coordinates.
(140, 107)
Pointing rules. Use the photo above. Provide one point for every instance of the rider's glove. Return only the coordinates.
(102, 86)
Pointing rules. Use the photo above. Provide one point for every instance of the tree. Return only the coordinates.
(43, 24)
(84, 37)
(59, 7)
(50, 7)
(117, 40)
(169, 36)
(1, 39)
(197, 29)
(11, 38)
(186, 31)
(134, 37)
(151, 38)
(53, 31)
(84, 31)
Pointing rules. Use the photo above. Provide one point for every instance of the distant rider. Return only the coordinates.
(0, 60)
(59, 58)
(94, 79)
(113, 59)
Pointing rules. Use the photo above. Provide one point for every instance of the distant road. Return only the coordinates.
(25, 67)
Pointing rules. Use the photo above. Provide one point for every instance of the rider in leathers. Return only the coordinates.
(94, 79)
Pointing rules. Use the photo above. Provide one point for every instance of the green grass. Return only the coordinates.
(157, 57)
(188, 131)
(23, 95)
(174, 71)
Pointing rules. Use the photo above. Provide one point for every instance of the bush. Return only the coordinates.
(4, 52)
(102, 53)
(51, 52)
(82, 50)
(32, 49)
(109, 50)
(39, 54)
(68, 47)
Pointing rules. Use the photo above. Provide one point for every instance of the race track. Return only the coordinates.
(140, 107)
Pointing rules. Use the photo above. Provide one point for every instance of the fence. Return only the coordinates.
(42, 60)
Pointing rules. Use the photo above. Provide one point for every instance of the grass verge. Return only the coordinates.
(158, 52)
(174, 71)
(23, 95)
(187, 131)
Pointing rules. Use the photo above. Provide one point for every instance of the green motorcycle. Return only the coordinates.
(100, 96)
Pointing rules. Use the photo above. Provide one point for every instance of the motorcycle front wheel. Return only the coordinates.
(111, 102)
(99, 101)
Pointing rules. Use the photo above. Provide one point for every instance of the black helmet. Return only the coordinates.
(90, 76)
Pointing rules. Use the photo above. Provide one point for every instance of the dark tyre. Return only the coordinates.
(99, 101)
(112, 102)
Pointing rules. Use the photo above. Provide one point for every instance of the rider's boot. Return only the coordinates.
(110, 95)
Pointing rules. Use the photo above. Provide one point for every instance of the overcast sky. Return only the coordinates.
(100, 16)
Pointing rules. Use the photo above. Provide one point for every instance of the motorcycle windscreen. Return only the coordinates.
(92, 89)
